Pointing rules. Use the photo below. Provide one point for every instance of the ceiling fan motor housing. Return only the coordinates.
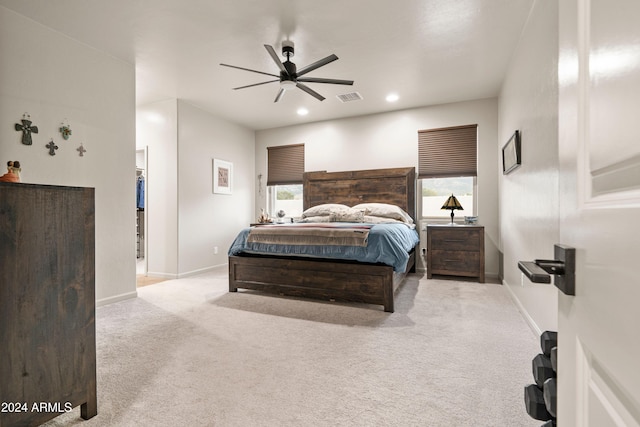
(291, 71)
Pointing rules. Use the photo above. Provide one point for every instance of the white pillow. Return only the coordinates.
(324, 210)
(380, 220)
(385, 210)
(324, 218)
(350, 215)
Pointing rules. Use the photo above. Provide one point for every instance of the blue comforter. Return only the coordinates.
(388, 244)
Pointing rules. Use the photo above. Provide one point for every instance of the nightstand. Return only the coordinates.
(455, 250)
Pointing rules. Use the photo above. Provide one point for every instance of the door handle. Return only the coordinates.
(562, 267)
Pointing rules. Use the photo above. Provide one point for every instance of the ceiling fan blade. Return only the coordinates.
(317, 64)
(280, 94)
(247, 69)
(320, 80)
(255, 84)
(275, 58)
(310, 91)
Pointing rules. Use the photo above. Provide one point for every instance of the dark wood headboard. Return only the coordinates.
(395, 186)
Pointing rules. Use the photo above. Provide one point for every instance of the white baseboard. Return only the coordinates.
(116, 298)
(161, 275)
(492, 276)
(527, 318)
(170, 276)
(199, 271)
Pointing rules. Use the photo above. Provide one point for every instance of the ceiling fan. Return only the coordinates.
(289, 76)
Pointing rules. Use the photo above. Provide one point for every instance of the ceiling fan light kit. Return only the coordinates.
(287, 84)
(289, 76)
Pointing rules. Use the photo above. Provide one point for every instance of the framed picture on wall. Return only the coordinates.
(511, 158)
(222, 176)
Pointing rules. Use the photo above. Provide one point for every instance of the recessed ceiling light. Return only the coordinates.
(392, 97)
(303, 111)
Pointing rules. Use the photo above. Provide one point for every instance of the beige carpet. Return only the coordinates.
(188, 353)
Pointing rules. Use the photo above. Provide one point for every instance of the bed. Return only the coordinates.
(328, 278)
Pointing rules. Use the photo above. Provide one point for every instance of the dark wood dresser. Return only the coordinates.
(455, 250)
(47, 303)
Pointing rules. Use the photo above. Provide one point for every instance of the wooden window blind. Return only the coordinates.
(285, 164)
(448, 152)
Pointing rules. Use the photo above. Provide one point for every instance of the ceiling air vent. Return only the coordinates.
(347, 97)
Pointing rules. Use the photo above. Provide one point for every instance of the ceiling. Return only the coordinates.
(426, 51)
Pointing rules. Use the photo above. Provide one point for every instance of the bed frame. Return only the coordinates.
(334, 279)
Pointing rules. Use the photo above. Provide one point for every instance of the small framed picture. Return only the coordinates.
(222, 176)
(511, 153)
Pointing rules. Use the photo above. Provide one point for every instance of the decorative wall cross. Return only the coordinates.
(52, 147)
(81, 150)
(26, 129)
(65, 130)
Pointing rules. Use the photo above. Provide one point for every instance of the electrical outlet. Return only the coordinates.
(215, 250)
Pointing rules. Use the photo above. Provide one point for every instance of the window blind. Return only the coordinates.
(448, 152)
(285, 164)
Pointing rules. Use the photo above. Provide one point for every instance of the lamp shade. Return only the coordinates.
(452, 204)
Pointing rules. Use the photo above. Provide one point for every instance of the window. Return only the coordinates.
(435, 192)
(287, 198)
(284, 179)
(447, 159)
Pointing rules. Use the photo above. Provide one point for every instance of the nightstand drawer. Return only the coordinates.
(459, 263)
(455, 240)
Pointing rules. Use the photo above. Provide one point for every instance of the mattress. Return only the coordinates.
(388, 244)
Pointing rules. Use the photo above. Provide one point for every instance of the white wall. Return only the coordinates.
(55, 78)
(391, 140)
(185, 220)
(157, 130)
(208, 220)
(529, 219)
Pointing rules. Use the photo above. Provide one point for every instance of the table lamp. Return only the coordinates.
(452, 204)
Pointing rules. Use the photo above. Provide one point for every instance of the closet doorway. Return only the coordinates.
(141, 228)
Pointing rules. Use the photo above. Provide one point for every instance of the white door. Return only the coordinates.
(599, 147)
